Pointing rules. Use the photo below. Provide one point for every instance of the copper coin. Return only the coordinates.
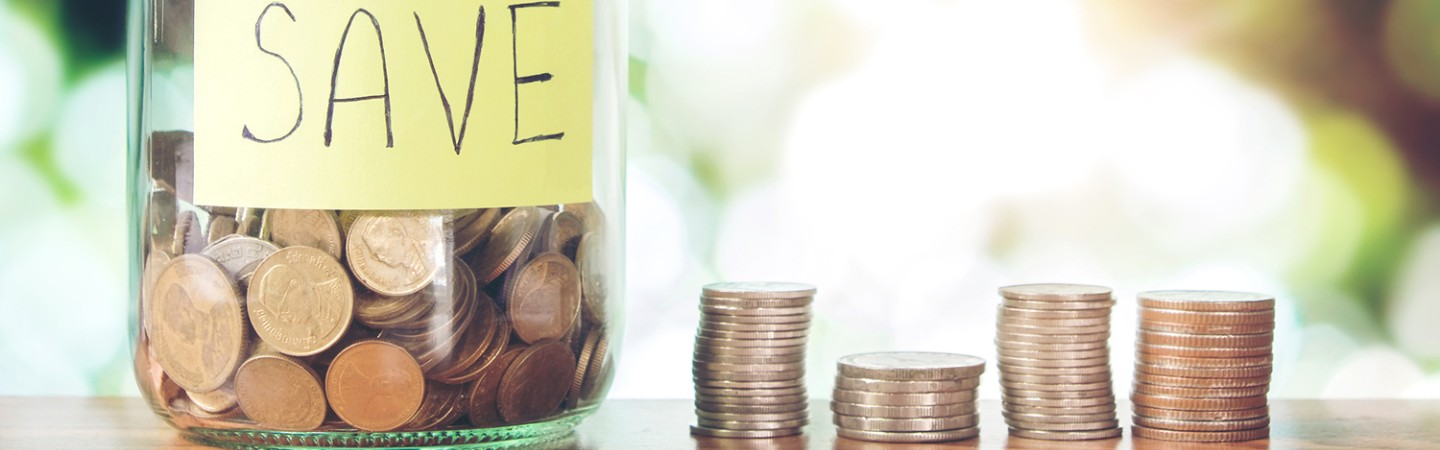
(906, 399)
(1006, 327)
(1062, 363)
(1199, 404)
(762, 290)
(1054, 379)
(1197, 372)
(1180, 316)
(1055, 305)
(751, 409)
(1202, 382)
(1026, 409)
(1048, 419)
(1210, 329)
(484, 393)
(562, 233)
(1059, 402)
(1056, 292)
(1102, 352)
(220, 227)
(198, 326)
(903, 412)
(1067, 387)
(1199, 436)
(1190, 392)
(909, 436)
(280, 392)
(510, 239)
(1058, 394)
(1203, 362)
(475, 230)
(375, 385)
(301, 301)
(907, 424)
(1081, 323)
(582, 365)
(590, 260)
(744, 434)
(1053, 371)
(1010, 311)
(395, 254)
(1207, 300)
(1051, 338)
(1205, 340)
(1202, 352)
(1188, 425)
(546, 301)
(536, 382)
(305, 227)
(1200, 416)
(1066, 435)
(874, 385)
(907, 366)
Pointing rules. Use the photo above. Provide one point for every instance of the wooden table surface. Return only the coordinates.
(125, 423)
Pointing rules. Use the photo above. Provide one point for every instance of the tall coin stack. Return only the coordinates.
(1054, 361)
(907, 397)
(1202, 366)
(749, 365)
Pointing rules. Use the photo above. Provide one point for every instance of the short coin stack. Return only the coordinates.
(749, 365)
(1055, 361)
(1202, 366)
(907, 397)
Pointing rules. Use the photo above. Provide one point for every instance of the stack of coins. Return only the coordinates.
(1055, 361)
(1202, 366)
(907, 397)
(749, 362)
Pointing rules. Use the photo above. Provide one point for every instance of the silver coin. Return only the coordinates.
(906, 366)
(903, 412)
(731, 384)
(1066, 435)
(1060, 363)
(1052, 313)
(1105, 392)
(909, 437)
(751, 409)
(1051, 338)
(770, 359)
(906, 399)
(912, 424)
(752, 327)
(1059, 403)
(1051, 426)
(723, 392)
(737, 417)
(1056, 292)
(1021, 329)
(746, 312)
(702, 351)
(1048, 418)
(1082, 322)
(747, 425)
(708, 318)
(1063, 347)
(1025, 409)
(1028, 304)
(1054, 379)
(756, 303)
(1049, 371)
(758, 289)
(752, 401)
(744, 434)
(873, 385)
(1073, 354)
(1070, 387)
(748, 376)
(753, 335)
(708, 366)
(706, 342)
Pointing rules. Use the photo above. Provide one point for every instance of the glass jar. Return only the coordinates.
(358, 223)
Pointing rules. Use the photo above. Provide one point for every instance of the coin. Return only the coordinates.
(724, 392)
(1237, 382)
(1062, 347)
(701, 365)
(198, 328)
(483, 394)
(1053, 371)
(907, 366)
(1201, 352)
(240, 255)
(546, 300)
(735, 417)
(743, 314)
(1191, 328)
(475, 230)
(1066, 435)
(749, 376)
(562, 232)
(1187, 425)
(764, 359)
(901, 399)
(1010, 311)
(750, 328)
(1081, 323)
(1184, 317)
(731, 384)
(374, 385)
(1058, 394)
(305, 227)
(1205, 340)
(803, 318)
(1198, 404)
(874, 385)
(708, 342)
(1056, 305)
(907, 424)
(1044, 421)
(744, 434)
(1078, 426)
(220, 226)
(1060, 402)
(1200, 416)
(187, 237)
(1057, 379)
(1102, 352)
(590, 260)
(582, 364)
(753, 335)
(1194, 372)
(1203, 362)
(752, 401)
(1051, 338)
(1199, 436)
(756, 303)
(1206, 300)
(510, 238)
(1006, 327)
(155, 263)
(761, 289)
(1056, 292)
(395, 254)
(903, 412)
(218, 401)
(1058, 363)
(536, 382)
(750, 425)
(300, 301)
(1055, 386)
(602, 361)
(909, 437)
(751, 409)
(1041, 410)
(280, 392)
(1172, 391)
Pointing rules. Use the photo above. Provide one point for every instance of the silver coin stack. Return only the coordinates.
(907, 397)
(1052, 341)
(749, 366)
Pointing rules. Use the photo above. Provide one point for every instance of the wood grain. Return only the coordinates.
(126, 423)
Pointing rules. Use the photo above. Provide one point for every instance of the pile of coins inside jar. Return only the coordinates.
(1202, 366)
(373, 320)
(907, 397)
(749, 363)
(1052, 341)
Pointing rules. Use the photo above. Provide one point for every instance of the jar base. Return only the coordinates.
(554, 433)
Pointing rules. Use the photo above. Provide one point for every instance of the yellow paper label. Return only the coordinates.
(387, 104)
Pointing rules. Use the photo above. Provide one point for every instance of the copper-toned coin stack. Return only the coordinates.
(749, 366)
(1202, 366)
(1055, 361)
(907, 397)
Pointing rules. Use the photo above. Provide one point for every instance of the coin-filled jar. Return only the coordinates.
(365, 223)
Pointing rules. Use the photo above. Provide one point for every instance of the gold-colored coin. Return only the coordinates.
(281, 392)
(198, 328)
(306, 227)
(301, 301)
(1205, 340)
(1199, 404)
(1200, 416)
(1204, 362)
(510, 239)
(1237, 382)
(1190, 392)
(395, 254)
(545, 302)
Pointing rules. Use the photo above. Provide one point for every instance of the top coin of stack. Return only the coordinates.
(749, 364)
(1055, 361)
(1202, 366)
(907, 397)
